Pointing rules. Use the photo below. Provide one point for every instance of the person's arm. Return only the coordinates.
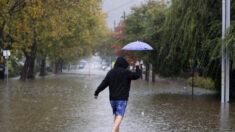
(102, 86)
(135, 75)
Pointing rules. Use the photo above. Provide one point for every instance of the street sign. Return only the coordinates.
(6, 53)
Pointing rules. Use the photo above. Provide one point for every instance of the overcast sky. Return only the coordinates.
(115, 9)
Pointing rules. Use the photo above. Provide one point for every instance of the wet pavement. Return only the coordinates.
(64, 103)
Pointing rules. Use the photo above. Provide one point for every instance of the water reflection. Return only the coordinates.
(224, 117)
(5, 107)
(64, 103)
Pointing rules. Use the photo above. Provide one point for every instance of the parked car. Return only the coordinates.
(103, 67)
(81, 65)
(2, 70)
(107, 68)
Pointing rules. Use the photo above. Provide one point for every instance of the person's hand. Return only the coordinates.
(95, 97)
(137, 63)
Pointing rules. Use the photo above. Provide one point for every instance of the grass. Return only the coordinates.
(201, 82)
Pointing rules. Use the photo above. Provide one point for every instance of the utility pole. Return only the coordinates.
(225, 68)
(124, 15)
(114, 25)
(7, 54)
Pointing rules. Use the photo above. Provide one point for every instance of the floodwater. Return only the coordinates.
(64, 103)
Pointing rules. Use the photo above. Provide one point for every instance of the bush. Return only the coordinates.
(14, 69)
(202, 82)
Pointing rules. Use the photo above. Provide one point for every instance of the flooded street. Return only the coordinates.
(64, 103)
(54, 55)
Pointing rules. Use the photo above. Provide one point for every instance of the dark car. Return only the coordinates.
(2, 70)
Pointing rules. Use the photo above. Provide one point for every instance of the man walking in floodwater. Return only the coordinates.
(119, 81)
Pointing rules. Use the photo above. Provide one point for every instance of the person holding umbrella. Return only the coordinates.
(119, 81)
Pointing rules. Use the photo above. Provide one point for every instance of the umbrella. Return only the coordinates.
(137, 45)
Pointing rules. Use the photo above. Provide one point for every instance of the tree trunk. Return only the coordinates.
(55, 69)
(30, 74)
(61, 66)
(24, 71)
(43, 67)
(58, 66)
(147, 72)
(2, 33)
(1, 48)
(28, 69)
(141, 69)
(153, 76)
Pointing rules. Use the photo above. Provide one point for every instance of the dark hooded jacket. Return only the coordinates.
(119, 80)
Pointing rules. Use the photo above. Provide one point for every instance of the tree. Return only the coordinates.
(180, 32)
(8, 11)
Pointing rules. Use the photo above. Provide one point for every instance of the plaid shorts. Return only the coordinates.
(119, 107)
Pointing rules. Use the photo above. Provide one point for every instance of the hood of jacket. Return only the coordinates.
(121, 62)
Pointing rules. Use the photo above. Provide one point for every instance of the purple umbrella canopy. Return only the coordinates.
(137, 45)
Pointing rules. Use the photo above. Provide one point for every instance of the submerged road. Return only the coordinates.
(64, 103)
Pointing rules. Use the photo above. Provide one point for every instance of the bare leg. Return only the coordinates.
(117, 122)
(117, 130)
(114, 118)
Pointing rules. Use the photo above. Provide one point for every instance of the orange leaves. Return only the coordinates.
(21, 27)
(119, 31)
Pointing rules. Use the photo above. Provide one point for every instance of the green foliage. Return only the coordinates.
(182, 31)
(14, 69)
(63, 30)
(84, 22)
(104, 48)
(145, 24)
(192, 30)
(202, 82)
(230, 43)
